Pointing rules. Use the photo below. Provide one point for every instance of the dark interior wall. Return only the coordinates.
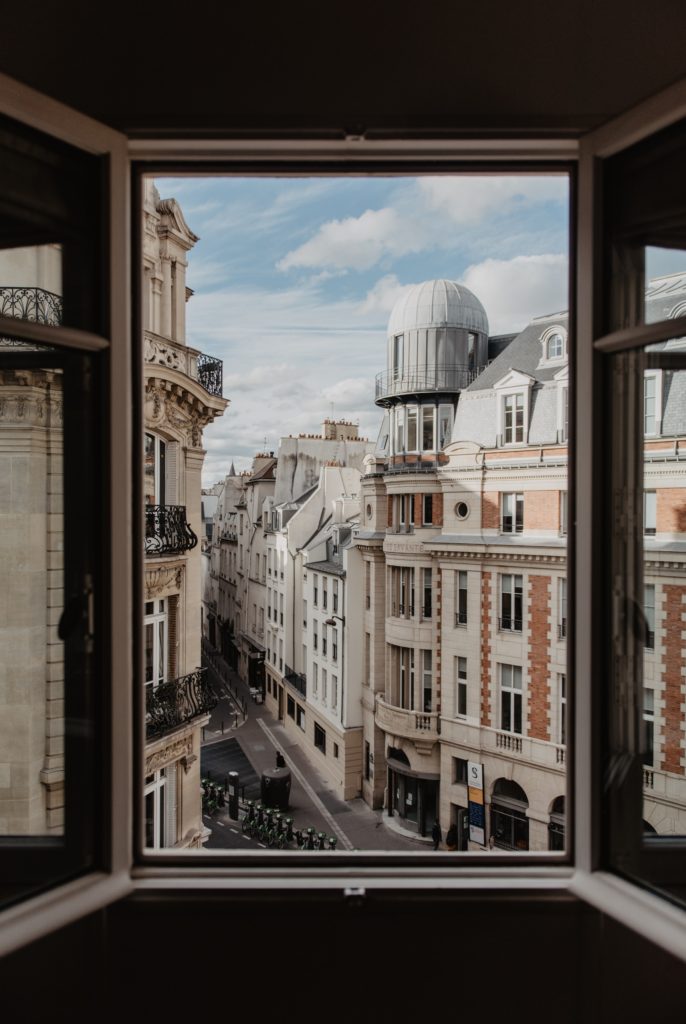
(442, 65)
(318, 957)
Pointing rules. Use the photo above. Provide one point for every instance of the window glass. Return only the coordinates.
(344, 489)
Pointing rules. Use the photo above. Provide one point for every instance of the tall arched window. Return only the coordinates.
(509, 823)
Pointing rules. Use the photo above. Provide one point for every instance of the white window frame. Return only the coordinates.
(512, 386)
(655, 377)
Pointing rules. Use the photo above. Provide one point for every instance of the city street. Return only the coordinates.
(242, 736)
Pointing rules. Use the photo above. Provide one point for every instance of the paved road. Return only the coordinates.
(248, 745)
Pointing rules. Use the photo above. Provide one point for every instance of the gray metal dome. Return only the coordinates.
(438, 303)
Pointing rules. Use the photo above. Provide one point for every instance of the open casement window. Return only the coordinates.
(640, 450)
(59, 317)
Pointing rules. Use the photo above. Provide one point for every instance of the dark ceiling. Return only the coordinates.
(484, 66)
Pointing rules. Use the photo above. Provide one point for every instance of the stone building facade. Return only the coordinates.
(183, 393)
(463, 540)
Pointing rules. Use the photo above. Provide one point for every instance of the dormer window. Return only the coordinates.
(555, 346)
(513, 419)
(554, 342)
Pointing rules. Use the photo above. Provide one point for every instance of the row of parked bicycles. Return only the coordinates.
(213, 796)
(276, 830)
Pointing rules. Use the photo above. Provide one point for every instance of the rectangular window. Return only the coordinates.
(649, 610)
(649, 512)
(513, 419)
(428, 428)
(649, 400)
(319, 738)
(562, 608)
(305, 614)
(367, 658)
(460, 770)
(426, 509)
(427, 688)
(367, 761)
(315, 590)
(562, 691)
(563, 513)
(512, 513)
(426, 593)
(367, 585)
(511, 698)
(405, 656)
(412, 429)
(334, 692)
(400, 429)
(300, 716)
(445, 425)
(398, 355)
(461, 688)
(315, 636)
(334, 595)
(325, 592)
(315, 678)
(281, 609)
(290, 707)
(335, 750)
(511, 597)
(461, 598)
(324, 638)
(334, 644)
(324, 686)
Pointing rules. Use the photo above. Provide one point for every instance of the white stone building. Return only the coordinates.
(182, 395)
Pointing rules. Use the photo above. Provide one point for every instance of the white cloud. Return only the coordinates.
(468, 199)
(357, 242)
(513, 291)
(384, 295)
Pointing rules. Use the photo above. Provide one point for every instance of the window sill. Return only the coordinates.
(39, 915)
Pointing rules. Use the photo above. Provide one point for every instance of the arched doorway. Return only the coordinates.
(556, 825)
(509, 823)
(412, 796)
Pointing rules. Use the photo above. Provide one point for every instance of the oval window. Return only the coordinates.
(462, 510)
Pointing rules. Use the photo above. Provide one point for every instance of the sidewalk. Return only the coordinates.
(312, 802)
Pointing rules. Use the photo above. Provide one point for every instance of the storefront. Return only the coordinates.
(412, 796)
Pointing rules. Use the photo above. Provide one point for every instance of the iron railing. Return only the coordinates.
(171, 704)
(297, 679)
(31, 304)
(167, 531)
(509, 624)
(210, 372)
(454, 377)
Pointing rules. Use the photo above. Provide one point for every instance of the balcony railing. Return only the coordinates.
(510, 625)
(176, 702)
(210, 372)
(31, 304)
(562, 630)
(403, 722)
(207, 370)
(453, 377)
(167, 531)
(296, 679)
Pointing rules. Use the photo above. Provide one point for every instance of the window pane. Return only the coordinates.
(341, 507)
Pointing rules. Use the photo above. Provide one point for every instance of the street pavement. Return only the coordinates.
(243, 736)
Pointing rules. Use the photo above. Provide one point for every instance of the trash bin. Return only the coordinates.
(276, 788)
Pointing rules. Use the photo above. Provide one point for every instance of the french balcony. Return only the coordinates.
(509, 625)
(421, 726)
(207, 370)
(298, 680)
(34, 304)
(177, 702)
(510, 745)
(167, 531)
(424, 380)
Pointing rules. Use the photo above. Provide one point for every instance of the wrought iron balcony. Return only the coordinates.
(31, 304)
(415, 381)
(297, 680)
(210, 374)
(167, 531)
(178, 701)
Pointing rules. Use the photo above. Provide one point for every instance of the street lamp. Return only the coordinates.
(332, 620)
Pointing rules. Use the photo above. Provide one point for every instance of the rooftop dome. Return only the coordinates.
(438, 304)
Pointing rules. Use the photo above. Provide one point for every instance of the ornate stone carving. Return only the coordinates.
(173, 752)
(166, 354)
(162, 580)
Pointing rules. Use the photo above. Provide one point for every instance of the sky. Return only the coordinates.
(294, 280)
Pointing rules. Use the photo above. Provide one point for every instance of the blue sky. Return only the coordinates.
(295, 278)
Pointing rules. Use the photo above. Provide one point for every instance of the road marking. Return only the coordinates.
(326, 814)
(262, 845)
(245, 837)
(234, 830)
(221, 823)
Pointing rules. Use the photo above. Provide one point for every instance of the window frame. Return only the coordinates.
(623, 901)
